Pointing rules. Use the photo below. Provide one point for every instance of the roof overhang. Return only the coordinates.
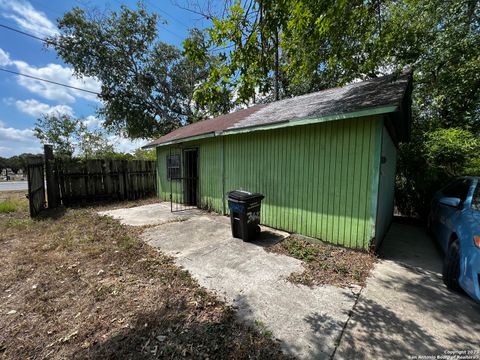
(284, 124)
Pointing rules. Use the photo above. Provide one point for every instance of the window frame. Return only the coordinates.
(174, 173)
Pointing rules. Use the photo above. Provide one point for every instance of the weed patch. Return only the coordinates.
(326, 263)
(7, 207)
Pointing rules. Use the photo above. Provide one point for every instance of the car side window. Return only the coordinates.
(476, 198)
(458, 189)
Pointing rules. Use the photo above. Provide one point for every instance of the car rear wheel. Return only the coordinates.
(451, 266)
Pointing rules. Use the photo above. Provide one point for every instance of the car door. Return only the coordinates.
(445, 215)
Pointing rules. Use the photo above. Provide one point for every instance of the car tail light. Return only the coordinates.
(476, 240)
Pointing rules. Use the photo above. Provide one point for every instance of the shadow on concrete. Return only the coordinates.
(410, 245)
(267, 238)
(428, 294)
(314, 337)
(379, 329)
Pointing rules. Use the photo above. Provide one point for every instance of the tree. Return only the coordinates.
(247, 38)
(60, 130)
(69, 136)
(147, 85)
(284, 48)
(148, 154)
(93, 144)
(19, 162)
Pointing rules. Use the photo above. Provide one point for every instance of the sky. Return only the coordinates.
(23, 100)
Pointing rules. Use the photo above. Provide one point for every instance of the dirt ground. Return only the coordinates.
(326, 264)
(77, 285)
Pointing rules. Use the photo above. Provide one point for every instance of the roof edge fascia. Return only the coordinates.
(288, 123)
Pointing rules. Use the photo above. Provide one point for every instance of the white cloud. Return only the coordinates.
(36, 108)
(8, 101)
(28, 18)
(59, 74)
(15, 141)
(92, 122)
(13, 134)
(4, 58)
(122, 144)
(55, 73)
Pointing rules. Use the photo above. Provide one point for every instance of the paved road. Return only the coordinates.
(13, 185)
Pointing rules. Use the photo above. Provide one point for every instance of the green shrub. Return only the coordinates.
(429, 161)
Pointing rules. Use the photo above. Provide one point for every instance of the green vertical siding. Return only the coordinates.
(318, 180)
(163, 185)
(211, 169)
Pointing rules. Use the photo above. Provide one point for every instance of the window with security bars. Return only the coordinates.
(173, 167)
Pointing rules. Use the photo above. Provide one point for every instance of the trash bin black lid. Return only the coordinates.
(241, 195)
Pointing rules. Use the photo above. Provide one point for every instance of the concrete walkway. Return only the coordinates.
(405, 310)
(153, 214)
(307, 321)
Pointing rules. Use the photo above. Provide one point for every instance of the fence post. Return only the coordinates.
(52, 182)
(126, 178)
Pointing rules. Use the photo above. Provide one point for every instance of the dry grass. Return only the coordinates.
(325, 263)
(77, 285)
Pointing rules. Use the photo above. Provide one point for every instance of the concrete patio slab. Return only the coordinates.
(405, 311)
(153, 214)
(308, 321)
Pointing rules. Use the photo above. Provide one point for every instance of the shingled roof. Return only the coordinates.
(385, 93)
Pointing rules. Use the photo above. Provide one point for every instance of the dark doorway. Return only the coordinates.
(191, 177)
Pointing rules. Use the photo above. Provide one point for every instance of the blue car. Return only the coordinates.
(454, 221)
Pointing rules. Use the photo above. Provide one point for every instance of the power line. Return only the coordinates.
(46, 41)
(171, 32)
(162, 26)
(27, 34)
(166, 13)
(49, 81)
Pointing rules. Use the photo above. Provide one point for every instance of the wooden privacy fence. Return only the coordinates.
(36, 188)
(104, 180)
(73, 181)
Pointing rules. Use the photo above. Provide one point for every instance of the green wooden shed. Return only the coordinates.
(325, 161)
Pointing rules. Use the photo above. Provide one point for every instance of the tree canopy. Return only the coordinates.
(323, 44)
(71, 137)
(147, 85)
